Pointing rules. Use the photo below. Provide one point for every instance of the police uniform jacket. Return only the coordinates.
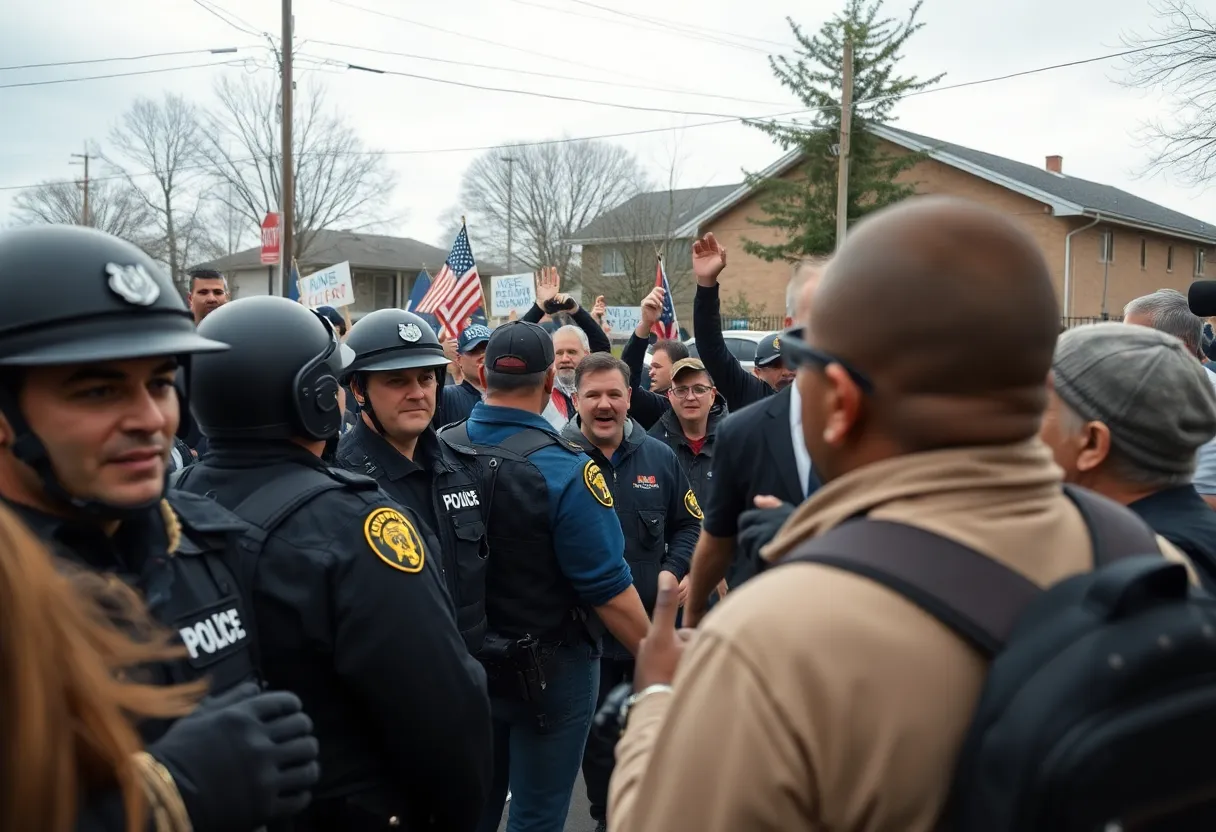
(178, 555)
(353, 617)
(659, 513)
(697, 467)
(556, 544)
(443, 489)
(736, 385)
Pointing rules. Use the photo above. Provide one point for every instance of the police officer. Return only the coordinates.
(557, 556)
(396, 376)
(92, 334)
(351, 609)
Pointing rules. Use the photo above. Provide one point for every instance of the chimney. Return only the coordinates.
(1055, 164)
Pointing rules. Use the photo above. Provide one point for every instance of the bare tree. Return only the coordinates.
(159, 144)
(338, 181)
(114, 207)
(1178, 58)
(553, 190)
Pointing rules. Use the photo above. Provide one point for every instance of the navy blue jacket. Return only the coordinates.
(658, 512)
(646, 406)
(456, 402)
(697, 467)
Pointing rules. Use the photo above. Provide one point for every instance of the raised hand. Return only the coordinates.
(708, 260)
(548, 282)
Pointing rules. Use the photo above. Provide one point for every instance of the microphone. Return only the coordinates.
(1201, 297)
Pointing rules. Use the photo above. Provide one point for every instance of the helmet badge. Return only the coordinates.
(133, 284)
(409, 332)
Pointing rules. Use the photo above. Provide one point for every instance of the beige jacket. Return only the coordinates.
(814, 699)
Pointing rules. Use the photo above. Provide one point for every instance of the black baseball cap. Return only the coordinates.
(519, 348)
(768, 351)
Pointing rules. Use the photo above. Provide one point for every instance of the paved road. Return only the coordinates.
(577, 821)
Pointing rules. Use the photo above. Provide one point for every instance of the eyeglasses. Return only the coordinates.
(798, 353)
(697, 390)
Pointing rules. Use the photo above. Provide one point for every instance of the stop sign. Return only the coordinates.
(271, 245)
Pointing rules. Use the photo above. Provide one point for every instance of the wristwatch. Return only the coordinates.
(627, 706)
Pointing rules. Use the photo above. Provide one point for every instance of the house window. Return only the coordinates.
(1169, 259)
(614, 262)
(1106, 247)
(1143, 254)
(1200, 259)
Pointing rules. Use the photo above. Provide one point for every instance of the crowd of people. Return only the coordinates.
(932, 562)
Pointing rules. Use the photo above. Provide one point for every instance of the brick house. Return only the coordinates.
(1105, 246)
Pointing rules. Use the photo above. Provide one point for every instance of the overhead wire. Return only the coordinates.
(156, 71)
(717, 121)
(224, 15)
(558, 76)
(217, 50)
(663, 21)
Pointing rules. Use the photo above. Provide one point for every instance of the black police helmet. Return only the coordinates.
(70, 294)
(393, 339)
(279, 380)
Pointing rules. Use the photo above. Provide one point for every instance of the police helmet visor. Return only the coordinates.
(113, 339)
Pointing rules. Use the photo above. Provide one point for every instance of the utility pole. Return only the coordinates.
(286, 179)
(510, 160)
(846, 123)
(86, 156)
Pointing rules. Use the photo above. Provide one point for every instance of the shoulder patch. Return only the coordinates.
(593, 478)
(694, 508)
(394, 539)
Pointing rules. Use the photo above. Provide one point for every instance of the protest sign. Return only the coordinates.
(511, 292)
(623, 319)
(328, 287)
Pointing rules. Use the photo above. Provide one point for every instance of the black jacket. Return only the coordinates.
(443, 488)
(455, 403)
(659, 513)
(755, 455)
(1182, 517)
(697, 467)
(354, 618)
(646, 407)
(596, 339)
(739, 387)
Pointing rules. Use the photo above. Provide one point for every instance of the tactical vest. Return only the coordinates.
(526, 593)
(461, 514)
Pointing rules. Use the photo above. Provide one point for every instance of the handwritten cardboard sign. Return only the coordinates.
(623, 319)
(328, 287)
(511, 292)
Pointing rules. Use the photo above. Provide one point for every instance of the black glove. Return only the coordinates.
(242, 759)
(757, 526)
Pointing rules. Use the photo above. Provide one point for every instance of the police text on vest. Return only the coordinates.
(214, 633)
(461, 499)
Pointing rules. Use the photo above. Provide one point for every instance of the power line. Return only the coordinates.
(542, 74)
(119, 74)
(662, 21)
(217, 51)
(623, 134)
(526, 51)
(668, 29)
(222, 14)
(534, 94)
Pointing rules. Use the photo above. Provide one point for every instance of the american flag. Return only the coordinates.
(455, 292)
(666, 327)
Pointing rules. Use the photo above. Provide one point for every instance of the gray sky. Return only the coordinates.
(1080, 113)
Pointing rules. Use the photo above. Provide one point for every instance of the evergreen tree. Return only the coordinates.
(803, 205)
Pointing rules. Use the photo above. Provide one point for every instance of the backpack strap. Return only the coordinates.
(977, 597)
(528, 441)
(1115, 531)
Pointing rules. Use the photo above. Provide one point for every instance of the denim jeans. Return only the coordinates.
(541, 768)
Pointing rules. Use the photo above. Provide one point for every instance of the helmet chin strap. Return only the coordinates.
(28, 448)
(366, 407)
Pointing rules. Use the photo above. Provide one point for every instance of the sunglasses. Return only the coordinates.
(798, 353)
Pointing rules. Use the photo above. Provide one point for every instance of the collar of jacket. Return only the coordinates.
(257, 453)
(394, 463)
(717, 412)
(1023, 470)
(634, 437)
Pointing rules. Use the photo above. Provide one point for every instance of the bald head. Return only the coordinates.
(942, 301)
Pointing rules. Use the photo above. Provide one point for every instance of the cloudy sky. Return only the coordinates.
(431, 130)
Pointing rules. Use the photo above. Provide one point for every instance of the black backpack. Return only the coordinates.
(1099, 710)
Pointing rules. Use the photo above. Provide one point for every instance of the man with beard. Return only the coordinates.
(739, 389)
(570, 346)
(396, 377)
(659, 516)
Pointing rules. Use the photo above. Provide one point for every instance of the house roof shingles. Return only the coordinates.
(363, 251)
(675, 208)
(1091, 196)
